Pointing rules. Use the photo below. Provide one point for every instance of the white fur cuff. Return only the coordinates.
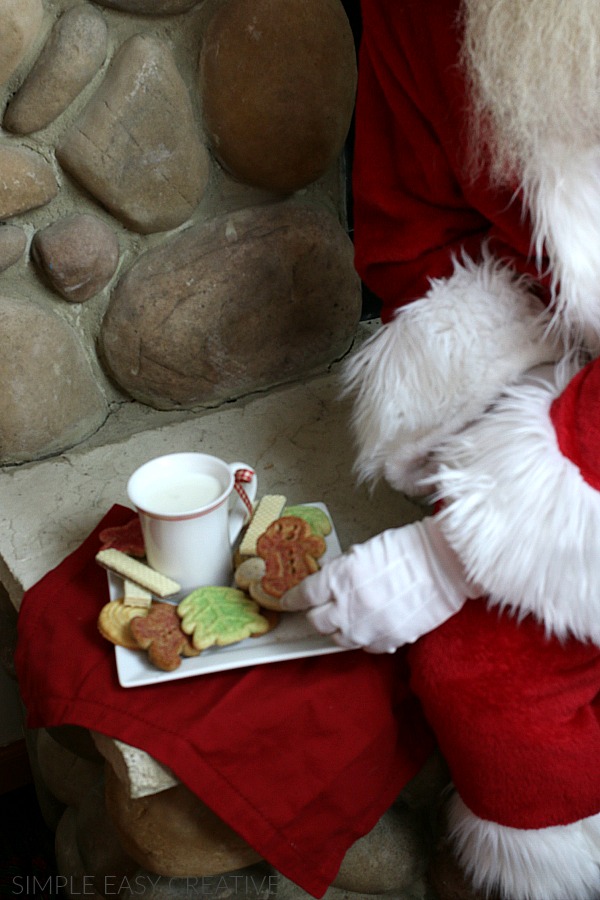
(438, 364)
(520, 515)
(553, 863)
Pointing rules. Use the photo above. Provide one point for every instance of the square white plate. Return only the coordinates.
(292, 638)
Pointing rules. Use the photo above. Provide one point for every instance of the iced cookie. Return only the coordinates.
(218, 616)
(126, 538)
(317, 518)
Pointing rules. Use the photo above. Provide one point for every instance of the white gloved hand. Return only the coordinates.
(386, 592)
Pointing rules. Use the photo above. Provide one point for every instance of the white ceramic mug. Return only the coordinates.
(191, 515)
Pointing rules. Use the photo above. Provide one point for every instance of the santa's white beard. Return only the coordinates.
(533, 67)
(534, 70)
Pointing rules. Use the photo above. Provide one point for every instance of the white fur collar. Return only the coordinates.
(519, 514)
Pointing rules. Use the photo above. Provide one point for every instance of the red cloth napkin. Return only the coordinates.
(301, 757)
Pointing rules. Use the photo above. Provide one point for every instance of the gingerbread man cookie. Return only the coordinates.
(290, 550)
(161, 635)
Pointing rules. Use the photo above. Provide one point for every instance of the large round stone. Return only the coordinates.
(48, 398)
(277, 79)
(174, 833)
(247, 300)
(389, 859)
(136, 146)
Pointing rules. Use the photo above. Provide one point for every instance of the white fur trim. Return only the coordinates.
(562, 191)
(520, 515)
(561, 862)
(438, 364)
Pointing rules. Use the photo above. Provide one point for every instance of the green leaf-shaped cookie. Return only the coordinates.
(316, 517)
(220, 616)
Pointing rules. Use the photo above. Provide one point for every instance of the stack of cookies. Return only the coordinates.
(280, 546)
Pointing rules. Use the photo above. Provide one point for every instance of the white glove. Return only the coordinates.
(387, 591)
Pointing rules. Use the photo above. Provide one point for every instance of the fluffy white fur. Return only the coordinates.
(562, 190)
(556, 863)
(521, 516)
(438, 364)
(533, 70)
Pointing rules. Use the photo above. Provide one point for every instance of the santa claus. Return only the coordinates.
(477, 200)
(477, 224)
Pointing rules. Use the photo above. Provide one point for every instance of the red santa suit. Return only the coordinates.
(512, 687)
(479, 284)
(509, 679)
(415, 205)
(465, 270)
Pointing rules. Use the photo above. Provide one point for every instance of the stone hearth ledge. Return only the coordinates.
(296, 437)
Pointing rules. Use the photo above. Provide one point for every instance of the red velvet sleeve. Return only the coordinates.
(414, 206)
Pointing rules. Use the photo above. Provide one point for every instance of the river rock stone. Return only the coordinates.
(247, 300)
(26, 181)
(193, 840)
(48, 397)
(72, 55)
(277, 79)
(150, 7)
(67, 776)
(136, 146)
(389, 859)
(20, 23)
(98, 841)
(77, 256)
(12, 245)
(446, 878)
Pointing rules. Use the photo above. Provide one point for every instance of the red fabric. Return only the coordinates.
(301, 758)
(517, 716)
(576, 419)
(414, 207)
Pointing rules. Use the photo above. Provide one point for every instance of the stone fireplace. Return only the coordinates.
(173, 206)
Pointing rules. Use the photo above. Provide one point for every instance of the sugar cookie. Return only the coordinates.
(126, 538)
(218, 616)
(114, 623)
(316, 517)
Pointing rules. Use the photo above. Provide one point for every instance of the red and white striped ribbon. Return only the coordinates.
(241, 477)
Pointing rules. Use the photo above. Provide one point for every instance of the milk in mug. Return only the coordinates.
(191, 515)
(181, 493)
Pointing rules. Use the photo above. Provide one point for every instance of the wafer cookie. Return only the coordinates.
(134, 570)
(267, 510)
(135, 595)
